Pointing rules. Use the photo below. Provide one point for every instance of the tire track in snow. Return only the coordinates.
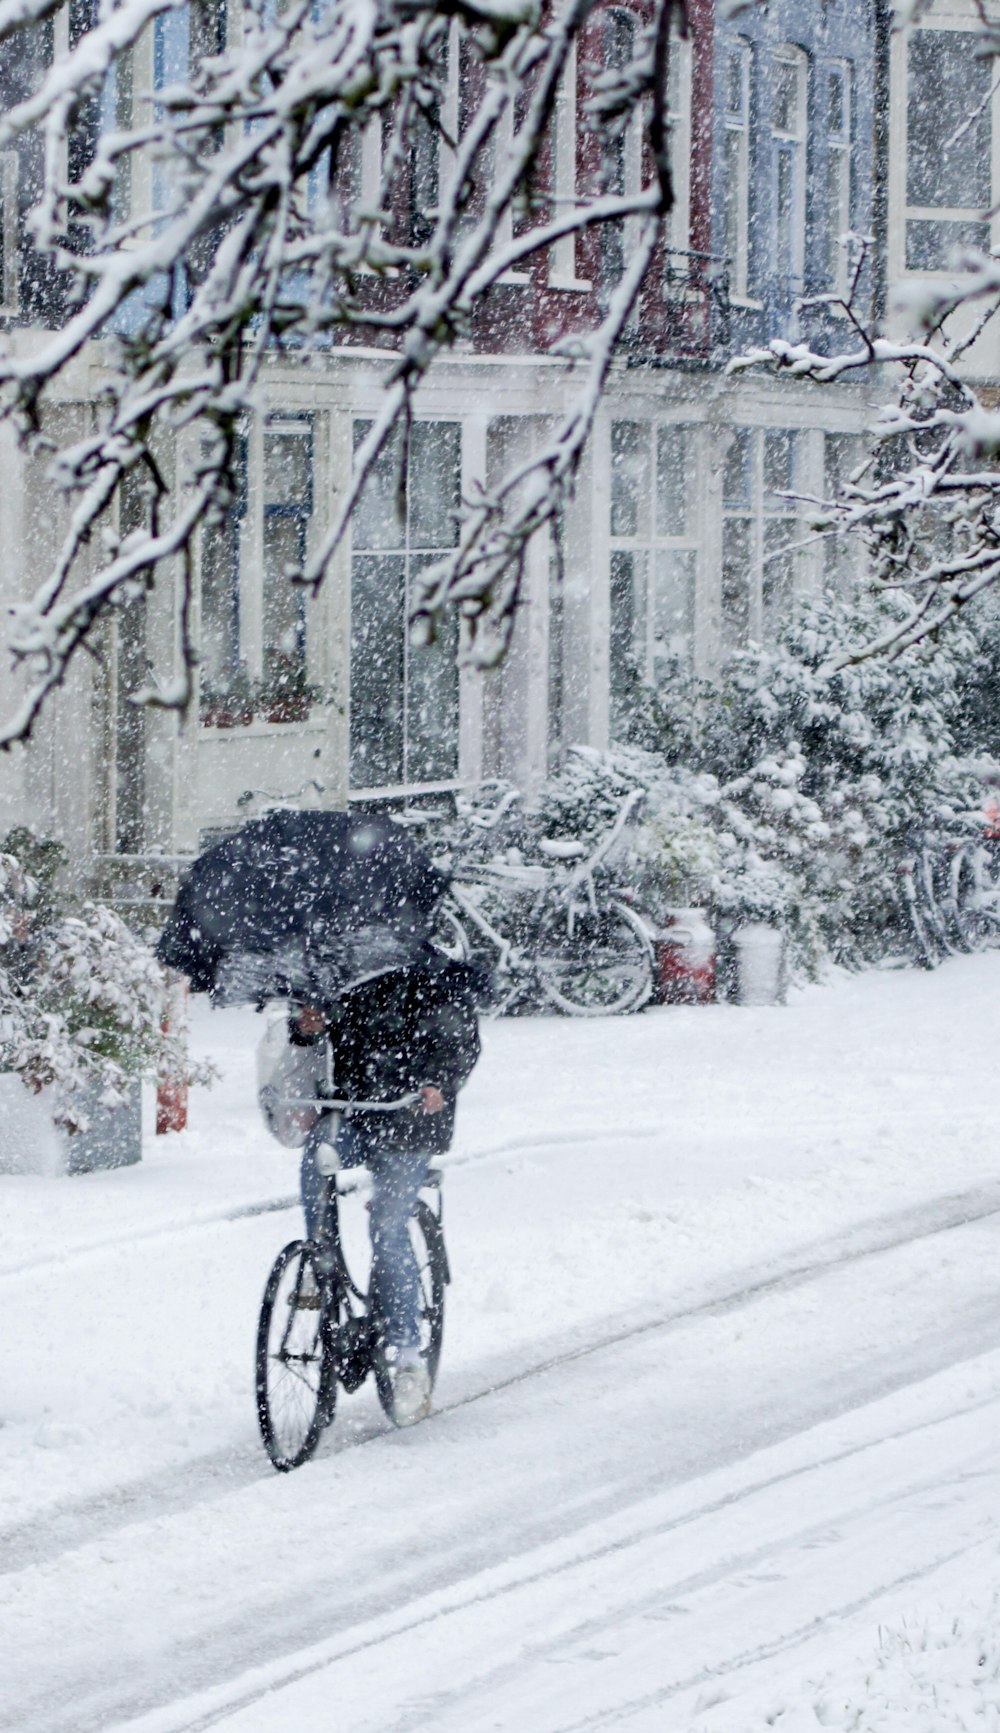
(208, 1478)
(218, 1703)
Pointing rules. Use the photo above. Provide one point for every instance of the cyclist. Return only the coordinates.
(409, 1032)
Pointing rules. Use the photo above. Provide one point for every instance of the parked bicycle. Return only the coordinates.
(563, 928)
(950, 890)
(320, 1328)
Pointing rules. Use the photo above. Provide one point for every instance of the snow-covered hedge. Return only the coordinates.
(81, 998)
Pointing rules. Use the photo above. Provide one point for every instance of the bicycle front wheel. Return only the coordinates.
(296, 1382)
(428, 1244)
(597, 966)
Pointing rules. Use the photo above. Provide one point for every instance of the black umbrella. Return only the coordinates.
(303, 905)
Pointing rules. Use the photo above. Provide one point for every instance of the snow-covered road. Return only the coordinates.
(720, 1392)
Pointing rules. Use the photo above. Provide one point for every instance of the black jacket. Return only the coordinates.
(391, 1036)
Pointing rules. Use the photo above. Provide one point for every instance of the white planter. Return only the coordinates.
(31, 1143)
(760, 965)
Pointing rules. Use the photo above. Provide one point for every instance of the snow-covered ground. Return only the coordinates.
(716, 1441)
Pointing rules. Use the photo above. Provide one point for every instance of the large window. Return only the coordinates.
(404, 697)
(836, 88)
(788, 132)
(653, 558)
(760, 521)
(736, 162)
(949, 103)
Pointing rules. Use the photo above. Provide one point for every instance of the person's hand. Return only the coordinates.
(310, 1021)
(432, 1099)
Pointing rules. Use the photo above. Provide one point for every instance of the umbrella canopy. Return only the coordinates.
(303, 905)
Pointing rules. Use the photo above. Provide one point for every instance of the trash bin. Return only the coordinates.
(685, 959)
(759, 955)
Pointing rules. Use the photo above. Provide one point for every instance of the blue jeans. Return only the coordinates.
(396, 1180)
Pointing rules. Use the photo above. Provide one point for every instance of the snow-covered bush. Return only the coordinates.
(825, 778)
(782, 792)
(81, 998)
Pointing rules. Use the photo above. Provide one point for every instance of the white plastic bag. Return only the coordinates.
(287, 1080)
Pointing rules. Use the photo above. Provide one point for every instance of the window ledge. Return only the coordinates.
(572, 285)
(259, 729)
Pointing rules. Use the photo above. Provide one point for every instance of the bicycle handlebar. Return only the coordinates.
(325, 1101)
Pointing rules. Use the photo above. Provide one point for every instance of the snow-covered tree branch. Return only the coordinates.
(233, 213)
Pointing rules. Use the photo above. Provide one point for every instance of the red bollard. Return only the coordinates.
(685, 960)
(172, 1092)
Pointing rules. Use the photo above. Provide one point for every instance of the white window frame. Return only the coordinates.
(790, 145)
(840, 151)
(565, 176)
(679, 122)
(10, 284)
(737, 126)
(965, 19)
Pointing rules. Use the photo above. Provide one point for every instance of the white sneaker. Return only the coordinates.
(411, 1388)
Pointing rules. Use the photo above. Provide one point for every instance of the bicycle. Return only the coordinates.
(950, 892)
(318, 1328)
(577, 940)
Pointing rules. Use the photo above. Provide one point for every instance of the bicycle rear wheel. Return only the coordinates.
(432, 1261)
(296, 1382)
(602, 967)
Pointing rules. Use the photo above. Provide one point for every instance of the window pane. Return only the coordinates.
(836, 104)
(736, 475)
(673, 609)
(424, 148)
(434, 483)
(628, 608)
(948, 159)
(284, 612)
(735, 582)
(785, 211)
(671, 505)
(777, 579)
(838, 213)
(219, 602)
(735, 98)
(786, 102)
(931, 245)
(288, 469)
(629, 478)
(735, 195)
(432, 703)
(378, 517)
(378, 587)
(779, 470)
